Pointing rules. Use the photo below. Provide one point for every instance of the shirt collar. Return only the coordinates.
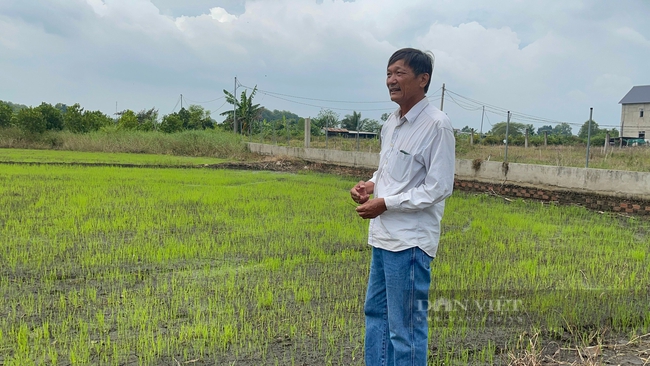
(413, 113)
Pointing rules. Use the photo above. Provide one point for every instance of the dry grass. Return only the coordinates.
(205, 143)
(615, 158)
(529, 353)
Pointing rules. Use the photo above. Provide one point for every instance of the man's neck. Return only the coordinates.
(406, 107)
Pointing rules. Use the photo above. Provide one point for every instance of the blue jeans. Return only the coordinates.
(396, 308)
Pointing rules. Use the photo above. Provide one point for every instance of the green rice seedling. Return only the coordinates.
(223, 266)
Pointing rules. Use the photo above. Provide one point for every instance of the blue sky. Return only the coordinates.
(548, 60)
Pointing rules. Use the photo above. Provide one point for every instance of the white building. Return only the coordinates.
(635, 106)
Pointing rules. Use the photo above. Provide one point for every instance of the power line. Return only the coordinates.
(177, 101)
(435, 92)
(465, 107)
(216, 110)
(488, 119)
(515, 116)
(314, 99)
(321, 106)
(208, 101)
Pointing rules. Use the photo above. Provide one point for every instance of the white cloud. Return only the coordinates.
(548, 59)
(633, 36)
(221, 15)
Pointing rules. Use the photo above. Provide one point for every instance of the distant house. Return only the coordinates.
(331, 132)
(635, 106)
(343, 132)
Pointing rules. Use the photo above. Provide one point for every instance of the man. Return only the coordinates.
(415, 175)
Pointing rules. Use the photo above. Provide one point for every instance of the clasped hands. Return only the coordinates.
(368, 208)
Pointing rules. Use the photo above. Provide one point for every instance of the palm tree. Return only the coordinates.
(246, 111)
(352, 122)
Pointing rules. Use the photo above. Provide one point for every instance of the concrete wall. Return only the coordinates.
(337, 157)
(617, 183)
(613, 183)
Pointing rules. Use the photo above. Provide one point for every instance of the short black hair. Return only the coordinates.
(420, 62)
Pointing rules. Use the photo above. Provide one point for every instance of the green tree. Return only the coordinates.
(612, 133)
(385, 116)
(466, 129)
(5, 114)
(199, 118)
(61, 107)
(541, 130)
(563, 129)
(326, 118)
(52, 115)
(246, 111)
(147, 119)
(31, 120)
(276, 115)
(184, 115)
(515, 129)
(371, 125)
(171, 123)
(584, 129)
(73, 119)
(128, 121)
(530, 129)
(352, 122)
(15, 107)
(94, 120)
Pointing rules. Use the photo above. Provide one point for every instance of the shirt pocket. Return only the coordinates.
(401, 167)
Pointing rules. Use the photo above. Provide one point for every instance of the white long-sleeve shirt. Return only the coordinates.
(415, 175)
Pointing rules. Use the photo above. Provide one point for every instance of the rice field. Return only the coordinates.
(129, 266)
(70, 157)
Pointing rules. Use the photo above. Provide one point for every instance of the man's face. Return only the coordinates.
(404, 87)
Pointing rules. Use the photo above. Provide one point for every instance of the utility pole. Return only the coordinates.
(591, 112)
(442, 100)
(358, 132)
(482, 115)
(507, 128)
(526, 140)
(545, 138)
(620, 135)
(181, 101)
(234, 108)
(327, 132)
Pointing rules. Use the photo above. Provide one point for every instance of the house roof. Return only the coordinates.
(638, 94)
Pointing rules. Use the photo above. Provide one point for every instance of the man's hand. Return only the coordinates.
(372, 208)
(359, 193)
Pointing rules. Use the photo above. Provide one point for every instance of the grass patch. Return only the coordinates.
(60, 156)
(107, 265)
(206, 143)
